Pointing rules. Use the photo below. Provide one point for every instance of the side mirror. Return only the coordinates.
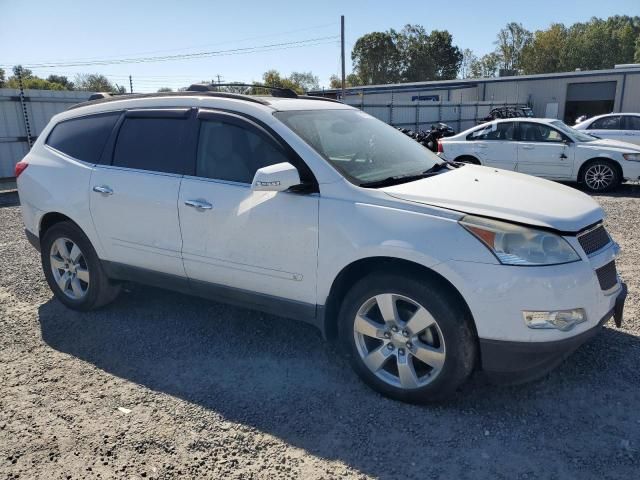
(275, 178)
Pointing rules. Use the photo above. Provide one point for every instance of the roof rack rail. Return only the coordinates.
(213, 87)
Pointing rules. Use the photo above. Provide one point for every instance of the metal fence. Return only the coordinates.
(421, 115)
(23, 115)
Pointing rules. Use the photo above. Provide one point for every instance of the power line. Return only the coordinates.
(190, 56)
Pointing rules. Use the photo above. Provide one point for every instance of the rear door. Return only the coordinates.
(608, 127)
(544, 151)
(631, 124)
(135, 193)
(495, 146)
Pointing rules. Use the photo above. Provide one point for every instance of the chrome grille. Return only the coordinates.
(607, 276)
(593, 240)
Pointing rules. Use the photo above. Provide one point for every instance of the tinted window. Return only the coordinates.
(538, 132)
(606, 123)
(83, 138)
(633, 123)
(157, 144)
(494, 131)
(229, 152)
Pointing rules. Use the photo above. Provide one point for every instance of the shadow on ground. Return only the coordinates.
(279, 376)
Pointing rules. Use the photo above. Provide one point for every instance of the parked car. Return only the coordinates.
(616, 126)
(311, 209)
(546, 148)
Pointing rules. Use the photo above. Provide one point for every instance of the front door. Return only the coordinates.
(544, 151)
(246, 241)
(611, 127)
(133, 198)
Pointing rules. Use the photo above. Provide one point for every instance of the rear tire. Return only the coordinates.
(73, 270)
(599, 176)
(408, 338)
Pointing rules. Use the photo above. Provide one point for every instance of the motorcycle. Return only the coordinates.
(429, 138)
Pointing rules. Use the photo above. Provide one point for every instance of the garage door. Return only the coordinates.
(593, 98)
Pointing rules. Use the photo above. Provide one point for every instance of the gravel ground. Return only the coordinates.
(161, 385)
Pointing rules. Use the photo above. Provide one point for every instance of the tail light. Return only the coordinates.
(21, 166)
(440, 147)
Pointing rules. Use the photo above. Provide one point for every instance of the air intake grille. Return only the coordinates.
(593, 240)
(607, 276)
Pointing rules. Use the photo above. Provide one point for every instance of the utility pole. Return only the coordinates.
(342, 51)
(130, 84)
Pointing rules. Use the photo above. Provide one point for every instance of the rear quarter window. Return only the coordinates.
(83, 138)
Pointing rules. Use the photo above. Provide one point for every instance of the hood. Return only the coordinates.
(504, 195)
(609, 144)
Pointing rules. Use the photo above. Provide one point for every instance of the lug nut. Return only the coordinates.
(390, 346)
(401, 351)
(405, 333)
(394, 329)
(387, 335)
(409, 345)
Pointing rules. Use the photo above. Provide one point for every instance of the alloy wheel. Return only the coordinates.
(69, 268)
(599, 176)
(399, 341)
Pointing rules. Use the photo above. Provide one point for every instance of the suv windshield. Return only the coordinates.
(365, 150)
(572, 132)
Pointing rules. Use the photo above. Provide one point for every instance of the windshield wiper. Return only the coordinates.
(398, 179)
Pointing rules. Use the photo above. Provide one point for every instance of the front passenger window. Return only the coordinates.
(229, 152)
(538, 132)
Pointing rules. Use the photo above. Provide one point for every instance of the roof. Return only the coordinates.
(473, 82)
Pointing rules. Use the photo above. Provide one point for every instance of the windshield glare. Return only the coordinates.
(358, 145)
(572, 132)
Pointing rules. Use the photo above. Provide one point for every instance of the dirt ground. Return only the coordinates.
(161, 385)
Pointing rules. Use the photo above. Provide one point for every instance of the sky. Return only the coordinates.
(292, 36)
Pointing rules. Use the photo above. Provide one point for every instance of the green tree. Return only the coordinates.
(427, 56)
(94, 82)
(299, 82)
(30, 81)
(306, 80)
(165, 89)
(468, 59)
(61, 80)
(2, 78)
(510, 43)
(351, 80)
(544, 53)
(377, 59)
(486, 66)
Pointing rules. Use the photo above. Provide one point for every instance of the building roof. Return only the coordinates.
(472, 82)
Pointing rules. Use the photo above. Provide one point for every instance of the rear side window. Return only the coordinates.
(227, 151)
(157, 144)
(633, 123)
(606, 123)
(83, 138)
(494, 131)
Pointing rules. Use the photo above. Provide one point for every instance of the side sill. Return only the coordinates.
(278, 306)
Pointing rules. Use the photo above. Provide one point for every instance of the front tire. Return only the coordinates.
(408, 338)
(600, 176)
(73, 270)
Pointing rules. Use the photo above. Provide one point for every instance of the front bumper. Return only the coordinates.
(519, 362)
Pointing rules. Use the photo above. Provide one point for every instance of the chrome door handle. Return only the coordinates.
(528, 147)
(198, 204)
(103, 189)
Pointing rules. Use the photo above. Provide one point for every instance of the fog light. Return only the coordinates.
(561, 319)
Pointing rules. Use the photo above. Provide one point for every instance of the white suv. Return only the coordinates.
(546, 148)
(311, 209)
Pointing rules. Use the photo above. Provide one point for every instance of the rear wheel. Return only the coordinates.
(600, 176)
(407, 338)
(73, 270)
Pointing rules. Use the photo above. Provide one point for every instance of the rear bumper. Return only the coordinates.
(519, 362)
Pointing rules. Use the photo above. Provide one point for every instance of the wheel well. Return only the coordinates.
(361, 268)
(469, 158)
(615, 164)
(49, 220)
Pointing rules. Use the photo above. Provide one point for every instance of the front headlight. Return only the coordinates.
(516, 245)
(633, 157)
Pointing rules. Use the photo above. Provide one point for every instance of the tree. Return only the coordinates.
(510, 42)
(544, 53)
(165, 89)
(30, 81)
(427, 56)
(61, 80)
(306, 80)
(468, 59)
(2, 78)
(351, 80)
(95, 82)
(486, 66)
(376, 58)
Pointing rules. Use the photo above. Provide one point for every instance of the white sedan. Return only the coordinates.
(616, 126)
(546, 148)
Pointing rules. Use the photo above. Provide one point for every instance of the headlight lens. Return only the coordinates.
(633, 157)
(517, 245)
